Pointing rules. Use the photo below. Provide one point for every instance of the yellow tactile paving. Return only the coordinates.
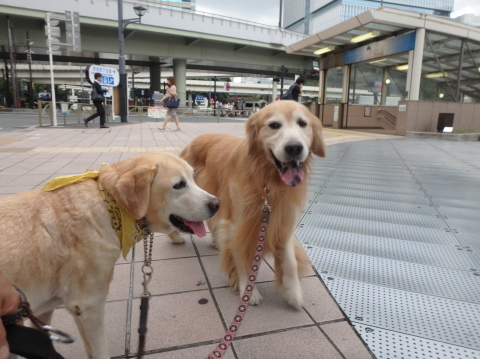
(100, 149)
(331, 131)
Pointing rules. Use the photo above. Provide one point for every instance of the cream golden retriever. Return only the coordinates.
(59, 247)
(275, 154)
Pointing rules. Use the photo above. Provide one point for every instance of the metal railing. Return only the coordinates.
(388, 116)
(77, 111)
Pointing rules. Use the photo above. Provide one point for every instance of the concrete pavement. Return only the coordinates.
(191, 303)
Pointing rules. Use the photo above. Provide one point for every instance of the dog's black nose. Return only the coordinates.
(294, 149)
(214, 205)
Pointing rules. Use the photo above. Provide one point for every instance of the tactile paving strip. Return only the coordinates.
(387, 344)
(441, 282)
(392, 309)
(378, 229)
(393, 227)
(389, 248)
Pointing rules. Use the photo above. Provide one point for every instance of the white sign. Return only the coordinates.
(402, 108)
(335, 113)
(110, 76)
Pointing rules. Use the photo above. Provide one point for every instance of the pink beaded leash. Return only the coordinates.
(242, 309)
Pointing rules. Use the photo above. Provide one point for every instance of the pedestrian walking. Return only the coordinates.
(295, 91)
(171, 92)
(97, 98)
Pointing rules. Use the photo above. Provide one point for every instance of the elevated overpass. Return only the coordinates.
(181, 39)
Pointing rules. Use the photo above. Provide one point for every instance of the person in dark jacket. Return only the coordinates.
(296, 88)
(98, 103)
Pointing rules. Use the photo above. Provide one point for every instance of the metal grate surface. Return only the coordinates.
(389, 248)
(387, 344)
(393, 227)
(391, 309)
(437, 281)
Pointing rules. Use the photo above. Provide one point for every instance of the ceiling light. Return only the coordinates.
(402, 67)
(381, 60)
(324, 50)
(387, 81)
(435, 75)
(368, 35)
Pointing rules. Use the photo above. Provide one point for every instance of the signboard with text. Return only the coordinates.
(110, 76)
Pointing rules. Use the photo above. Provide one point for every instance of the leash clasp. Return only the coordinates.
(61, 336)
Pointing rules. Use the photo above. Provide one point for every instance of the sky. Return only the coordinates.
(266, 11)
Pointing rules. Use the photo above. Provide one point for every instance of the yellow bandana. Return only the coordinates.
(124, 224)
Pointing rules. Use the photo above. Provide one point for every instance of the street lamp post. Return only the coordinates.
(29, 60)
(122, 24)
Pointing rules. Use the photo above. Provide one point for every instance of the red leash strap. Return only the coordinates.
(242, 309)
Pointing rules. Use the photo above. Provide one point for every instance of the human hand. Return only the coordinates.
(9, 302)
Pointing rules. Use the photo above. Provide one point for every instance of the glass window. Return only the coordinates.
(365, 85)
(334, 85)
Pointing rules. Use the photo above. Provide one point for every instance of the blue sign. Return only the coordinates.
(199, 99)
(110, 76)
(107, 80)
(390, 46)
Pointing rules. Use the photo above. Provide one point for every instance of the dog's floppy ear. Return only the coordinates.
(318, 146)
(130, 185)
(252, 127)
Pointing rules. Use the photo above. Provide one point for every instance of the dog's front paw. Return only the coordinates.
(255, 297)
(176, 237)
(294, 297)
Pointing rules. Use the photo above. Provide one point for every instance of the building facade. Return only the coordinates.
(312, 16)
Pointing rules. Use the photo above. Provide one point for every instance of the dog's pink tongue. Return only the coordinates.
(291, 174)
(197, 227)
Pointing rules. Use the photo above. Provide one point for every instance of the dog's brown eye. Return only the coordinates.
(274, 125)
(180, 185)
(302, 123)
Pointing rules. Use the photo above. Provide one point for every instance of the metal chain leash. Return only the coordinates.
(147, 271)
(242, 309)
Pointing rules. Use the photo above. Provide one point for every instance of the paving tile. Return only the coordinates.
(347, 341)
(120, 284)
(318, 301)
(218, 278)
(178, 319)
(272, 314)
(305, 343)
(198, 352)
(14, 189)
(115, 324)
(164, 248)
(205, 245)
(171, 276)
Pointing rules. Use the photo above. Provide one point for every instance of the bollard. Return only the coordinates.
(40, 112)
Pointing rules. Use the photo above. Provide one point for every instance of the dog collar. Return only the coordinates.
(123, 223)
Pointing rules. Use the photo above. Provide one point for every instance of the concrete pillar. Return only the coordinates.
(155, 74)
(409, 74)
(416, 67)
(346, 83)
(180, 74)
(190, 99)
(383, 98)
(275, 88)
(321, 87)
